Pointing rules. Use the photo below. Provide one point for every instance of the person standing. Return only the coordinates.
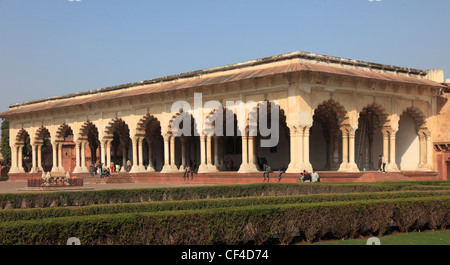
(187, 170)
(383, 160)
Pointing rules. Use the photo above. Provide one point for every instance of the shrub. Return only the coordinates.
(79, 198)
(344, 219)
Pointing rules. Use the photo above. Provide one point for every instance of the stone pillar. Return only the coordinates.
(244, 164)
(20, 159)
(386, 146)
(251, 150)
(13, 168)
(335, 163)
(39, 158)
(208, 151)
(344, 163)
(124, 157)
(306, 162)
(33, 159)
(108, 154)
(172, 153)
(429, 164)
(167, 166)
(60, 165)
(150, 167)
(102, 152)
(83, 157)
(134, 167)
(392, 166)
(77, 168)
(299, 151)
(293, 165)
(54, 157)
(216, 152)
(422, 140)
(183, 153)
(352, 167)
(202, 167)
(141, 154)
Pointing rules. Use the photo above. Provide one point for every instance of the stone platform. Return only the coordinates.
(232, 177)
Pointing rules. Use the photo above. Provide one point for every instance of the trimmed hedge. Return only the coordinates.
(235, 225)
(40, 213)
(79, 198)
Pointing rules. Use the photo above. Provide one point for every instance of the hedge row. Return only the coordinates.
(78, 198)
(235, 225)
(51, 212)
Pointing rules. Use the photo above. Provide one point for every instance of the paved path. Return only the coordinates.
(13, 187)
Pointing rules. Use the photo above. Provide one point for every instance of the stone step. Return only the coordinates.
(380, 176)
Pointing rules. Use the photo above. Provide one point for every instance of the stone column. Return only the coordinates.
(335, 163)
(429, 164)
(251, 150)
(344, 163)
(293, 167)
(421, 164)
(216, 152)
(299, 151)
(183, 153)
(150, 167)
(166, 167)
(172, 153)
(39, 158)
(83, 157)
(54, 157)
(13, 168)
(208, 150)
(33, 159)
(134, 167)
(306, 162)
(108, 154)
(102, 152)
(77, 168)
(20, 159)
(124, 157)
(202, 167)
(352, 167)
(244, 164)
(392, 166)
(386, 146)
(60, 165)
(141, 165)
(251, 154)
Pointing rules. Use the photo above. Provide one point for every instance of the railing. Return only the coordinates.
(55, 182)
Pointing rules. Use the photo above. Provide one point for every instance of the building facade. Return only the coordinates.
(334, 114)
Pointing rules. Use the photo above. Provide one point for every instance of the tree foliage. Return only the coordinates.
(6, 149)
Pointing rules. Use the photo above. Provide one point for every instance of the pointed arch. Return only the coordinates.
(63, 131)
(21, 137)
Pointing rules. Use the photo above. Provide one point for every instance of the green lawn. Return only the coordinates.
(423, 238)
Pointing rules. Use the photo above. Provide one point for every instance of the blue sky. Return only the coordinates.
(56, 47)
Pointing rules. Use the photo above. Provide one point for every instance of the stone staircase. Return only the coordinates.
(376, 176)
(116, 178)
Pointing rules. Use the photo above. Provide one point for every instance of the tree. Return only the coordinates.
(6, 149)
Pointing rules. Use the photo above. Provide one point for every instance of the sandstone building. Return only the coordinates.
(335, 115)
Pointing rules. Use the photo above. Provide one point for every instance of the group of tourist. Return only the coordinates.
(99, 169)
(305, 176)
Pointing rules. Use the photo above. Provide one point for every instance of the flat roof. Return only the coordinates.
(121, 91)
